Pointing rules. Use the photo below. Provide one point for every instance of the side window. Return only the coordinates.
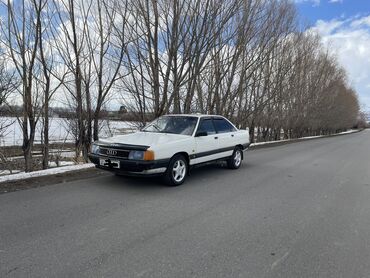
(206, 126)
(223, 126)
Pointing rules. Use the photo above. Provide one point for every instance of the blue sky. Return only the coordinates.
(345, 28)
(314, 10)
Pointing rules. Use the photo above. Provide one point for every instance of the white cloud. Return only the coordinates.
(335, 1)
(361, 22)
(327, 27)
(349, 40)
(314, 2)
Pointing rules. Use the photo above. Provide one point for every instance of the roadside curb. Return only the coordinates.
(270, 144)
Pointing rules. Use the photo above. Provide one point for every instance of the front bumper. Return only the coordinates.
(132, 167)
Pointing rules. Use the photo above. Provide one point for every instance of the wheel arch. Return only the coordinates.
(185, 154)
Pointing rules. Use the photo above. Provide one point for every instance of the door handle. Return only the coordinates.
(232, 135)
(216, 137)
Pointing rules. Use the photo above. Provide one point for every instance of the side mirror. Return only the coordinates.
(201, 134)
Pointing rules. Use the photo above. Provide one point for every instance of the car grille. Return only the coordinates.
(114, 152)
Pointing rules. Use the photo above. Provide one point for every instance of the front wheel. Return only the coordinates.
(235, 160)
(177, 171)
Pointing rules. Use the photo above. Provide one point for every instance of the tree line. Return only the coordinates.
(249, 60)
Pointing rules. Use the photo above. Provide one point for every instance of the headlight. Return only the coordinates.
(95, 149)
(136, 155)
(141, 155)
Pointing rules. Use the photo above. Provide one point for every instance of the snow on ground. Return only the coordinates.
(41, 173)
(59, 131)
(268, 142)
(303, 138)
(349, 131)
(7, 172)
(63, 153)
(61, 163)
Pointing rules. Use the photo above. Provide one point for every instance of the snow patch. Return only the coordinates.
(7, 172)
(61, 163)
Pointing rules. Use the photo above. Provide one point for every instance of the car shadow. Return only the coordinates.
(197, 175)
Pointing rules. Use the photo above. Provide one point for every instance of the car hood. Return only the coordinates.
(149, 139)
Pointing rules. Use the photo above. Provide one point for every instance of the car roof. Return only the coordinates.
(194, 115)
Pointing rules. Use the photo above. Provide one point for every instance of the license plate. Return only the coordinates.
(109, 163)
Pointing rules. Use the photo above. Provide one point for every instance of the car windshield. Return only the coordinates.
(173, 124)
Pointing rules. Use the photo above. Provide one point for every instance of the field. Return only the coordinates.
(61, 138)
(59, 131)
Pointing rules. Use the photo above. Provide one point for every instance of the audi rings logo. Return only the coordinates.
(111, 152)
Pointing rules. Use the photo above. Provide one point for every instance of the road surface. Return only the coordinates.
(297, 210)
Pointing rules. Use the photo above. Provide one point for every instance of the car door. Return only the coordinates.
(206, 142)
(226, 136)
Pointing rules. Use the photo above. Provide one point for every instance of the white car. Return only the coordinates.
(171, 145)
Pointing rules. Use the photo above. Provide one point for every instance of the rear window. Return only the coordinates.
(223, 126)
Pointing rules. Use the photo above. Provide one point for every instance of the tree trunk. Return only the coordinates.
(27, 153)
(45, 147)
(96, 124)
(251, 133)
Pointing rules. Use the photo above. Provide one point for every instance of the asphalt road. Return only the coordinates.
(298, 210)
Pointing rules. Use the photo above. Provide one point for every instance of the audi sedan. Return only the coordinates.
(171, 145)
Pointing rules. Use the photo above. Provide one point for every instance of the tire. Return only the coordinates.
(177, 177)
(236, 159)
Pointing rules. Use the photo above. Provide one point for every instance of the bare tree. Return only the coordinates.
(8, 83)
(47, 82)
(69, 34)
(106, 42)
(245, 60)
(19, 35)
(7, 80)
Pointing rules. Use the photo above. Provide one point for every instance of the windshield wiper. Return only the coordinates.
(156, 127)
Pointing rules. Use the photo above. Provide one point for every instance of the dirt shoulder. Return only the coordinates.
(16, 185)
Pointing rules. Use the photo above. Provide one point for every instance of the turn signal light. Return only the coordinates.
(148, 155)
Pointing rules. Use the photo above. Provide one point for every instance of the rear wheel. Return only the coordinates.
(176, 171)
(235, 160)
